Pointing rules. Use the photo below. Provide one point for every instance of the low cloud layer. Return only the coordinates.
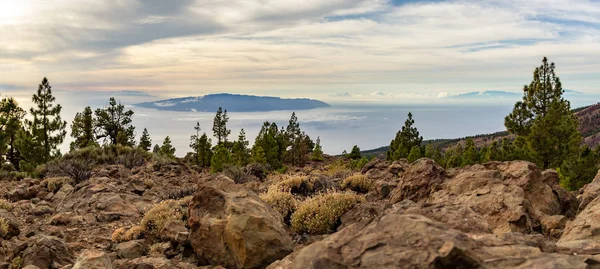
(297, 47)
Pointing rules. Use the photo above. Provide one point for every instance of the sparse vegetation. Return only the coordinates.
(133, 233)
(296, 184)
(6, 205)
(17, 262)
(281, 200)
(321, 214)
(118, 234)
(3, 227)
(358, 183)
(155, 219)
(55, 183)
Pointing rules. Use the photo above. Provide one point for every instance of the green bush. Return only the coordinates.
(321, 214)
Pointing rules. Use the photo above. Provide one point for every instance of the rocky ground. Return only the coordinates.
(389, 215)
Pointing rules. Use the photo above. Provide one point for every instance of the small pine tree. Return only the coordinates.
(415, 154)
(269, 139)
(470, 155)
(221, 158)
(317, 154)
(220, 126)
(241, 152)
(258, 155)
(167, 150)
(145, 141)
(39, 141)
(405, 140)
(83, 130)
(430, 151)
(156, 149)
(114, 124)
(355, 153)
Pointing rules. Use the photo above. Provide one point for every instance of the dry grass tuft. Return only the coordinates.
(6, 205)
(296, 184)
(281, 200)
(3, 227)
(358, 183)
(54, 184)
(155, 219)
(133, 233)
(337, 170)
(118, 234)
(321, 214)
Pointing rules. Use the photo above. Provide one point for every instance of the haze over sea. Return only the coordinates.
(368, 124)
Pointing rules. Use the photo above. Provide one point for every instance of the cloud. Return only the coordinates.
(406, 49)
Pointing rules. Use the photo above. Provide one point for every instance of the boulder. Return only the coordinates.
(586, 225)
(45, 252)
(419, 181)
(130, 250)
(590, 192)
(156, 263)
(93, 259)
(256, 169)
(175, 231)
(395, 240)
(231, 226)
(12, 225)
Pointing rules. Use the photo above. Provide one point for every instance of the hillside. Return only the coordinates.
(233, 103)
(162, 215)
(589, 126)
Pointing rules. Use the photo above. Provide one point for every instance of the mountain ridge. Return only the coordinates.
(233, 103)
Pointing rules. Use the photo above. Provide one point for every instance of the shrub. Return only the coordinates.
(3, 227)
(133, 233)
(12, 175)
(361, 163)
(321, 214)
(76, 166)
(54, 184)
(296, 184)
(155, 219)
(281, 200)
(358, 183)
(179, 193)
(6, 205)
(337, 169)
(17, 262)
(118, 234)
(236, 173)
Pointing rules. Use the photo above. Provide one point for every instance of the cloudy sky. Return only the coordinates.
(308, 48)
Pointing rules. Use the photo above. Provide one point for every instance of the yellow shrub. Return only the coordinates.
(118, 234)
(321, 214)
(296, 184)
(280, 200)
(358, 183)
(155, 219)
(337, 169)
(6, 205)
(17, 262)
(3, 227)
(133, 233)
(54, 184)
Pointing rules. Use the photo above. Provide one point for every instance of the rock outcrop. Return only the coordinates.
(232, 227)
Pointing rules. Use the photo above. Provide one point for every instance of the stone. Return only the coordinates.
(231, 226)
(419, 181)
(93, 259)
(46, 251)
(130, 250)
(12, 225)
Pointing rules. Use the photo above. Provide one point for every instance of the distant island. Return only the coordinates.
(233, 103)
(495, 95)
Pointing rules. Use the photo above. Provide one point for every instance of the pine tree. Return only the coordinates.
(430, 151)
(10, 124)
(298, 142)
(470, 155)
(221, 158)
(241, 152)
(405, 140)
(269, 140)
(355, 153)
(545, 120)
(113, 123)
(195, 144)
(145, 141)
(317, 154)
(156, 149)
(258, 155)
(415, 154)
(167, 150)
(82, 129)
(39, 141)
(220, 126)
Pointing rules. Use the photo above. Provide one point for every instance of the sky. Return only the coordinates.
(296, 48)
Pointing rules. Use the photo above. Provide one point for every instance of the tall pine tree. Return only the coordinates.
(82, 129)
(241, 152)
(167, 149)
(145, 141)
(545, 121)
(317, 154)
(38, 142)
(10, 124)
(220, 130)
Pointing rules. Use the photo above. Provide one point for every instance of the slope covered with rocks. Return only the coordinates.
(388, 215)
